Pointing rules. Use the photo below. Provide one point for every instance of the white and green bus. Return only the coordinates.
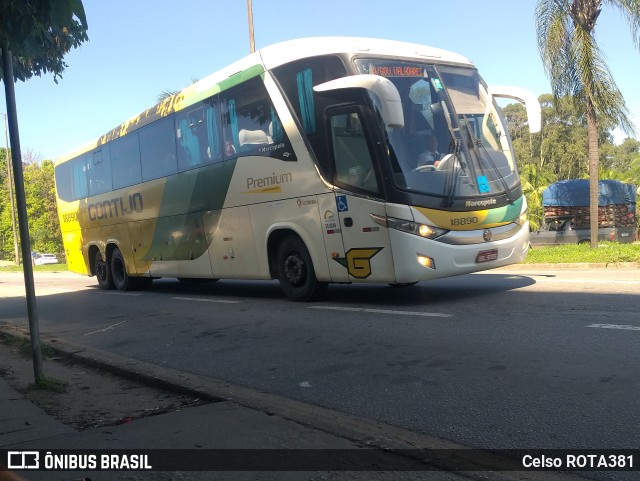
(302, 162)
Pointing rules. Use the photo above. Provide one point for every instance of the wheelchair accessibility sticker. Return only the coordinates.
(483, 184)
(341, 203)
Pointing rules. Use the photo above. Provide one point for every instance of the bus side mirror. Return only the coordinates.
(525, 97)
(387, 93)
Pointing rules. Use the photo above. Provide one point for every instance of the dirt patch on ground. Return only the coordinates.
(84, 397)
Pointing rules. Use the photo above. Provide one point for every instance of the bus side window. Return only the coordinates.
(353, 165)
(250, 121)
(297, 79)
(80, 181)
(198, 135)
(99, 171)
(158, 149)
(71, 179)
(64, 181)
(125, 161)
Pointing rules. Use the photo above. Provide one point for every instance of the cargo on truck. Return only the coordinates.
(567, 217)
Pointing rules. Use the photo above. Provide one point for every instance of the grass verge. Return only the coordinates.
(50, 384)
(23, 345)
(606, 253)
(7, 267)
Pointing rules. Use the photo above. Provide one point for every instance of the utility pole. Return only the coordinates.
(252, 44)
(16, 248)
(21, 202)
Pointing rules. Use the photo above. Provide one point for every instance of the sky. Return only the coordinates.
(139, 48)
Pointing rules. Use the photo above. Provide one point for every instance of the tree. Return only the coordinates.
(39, 33)
(165, 94)
(559, 152)
(35, 35)
(44, 225)
(576, 67)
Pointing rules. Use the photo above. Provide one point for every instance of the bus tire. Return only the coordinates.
(121, 280)
(103, 272)
(295, 272)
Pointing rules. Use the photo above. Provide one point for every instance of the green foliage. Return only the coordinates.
(44, 268)
(50, 384)
(607, 253)
(23, 345)
(39, 33)
(560, 151)
(577, 70)
(573, 61)
(6, 229)
(44, 226)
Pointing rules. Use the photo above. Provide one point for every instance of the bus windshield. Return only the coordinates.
(453, 143)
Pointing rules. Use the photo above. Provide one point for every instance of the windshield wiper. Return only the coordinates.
(485, 158)
(453, 174)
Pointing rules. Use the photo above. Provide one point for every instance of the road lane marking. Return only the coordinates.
(108, 328)
(615, 326)
(382, 311)
(589, 281)
(107, 293)
(200, 299)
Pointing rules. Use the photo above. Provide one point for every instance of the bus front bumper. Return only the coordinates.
(417, 259)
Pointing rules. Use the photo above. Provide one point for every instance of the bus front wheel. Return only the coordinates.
(295, 271)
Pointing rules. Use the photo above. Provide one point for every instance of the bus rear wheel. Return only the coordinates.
(119, 271)
(102, 270)
(121, 279)
(295, 271)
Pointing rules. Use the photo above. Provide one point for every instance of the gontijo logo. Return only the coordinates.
(116, 207)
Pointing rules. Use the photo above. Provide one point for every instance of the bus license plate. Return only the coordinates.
(487, 256)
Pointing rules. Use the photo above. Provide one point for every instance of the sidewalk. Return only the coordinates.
(233, 418)
(214, 425)
(297, 433)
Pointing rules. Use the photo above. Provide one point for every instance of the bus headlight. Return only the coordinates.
(426, 261)
(422, 230)
(523, 218)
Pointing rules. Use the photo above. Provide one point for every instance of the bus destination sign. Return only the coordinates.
(398, 70)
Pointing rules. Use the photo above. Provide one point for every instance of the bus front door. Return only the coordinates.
(367, 254)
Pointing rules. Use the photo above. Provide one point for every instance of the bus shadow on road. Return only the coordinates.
(426, 292)
(429, 292)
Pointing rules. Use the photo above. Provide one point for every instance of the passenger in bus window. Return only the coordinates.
(229, 148)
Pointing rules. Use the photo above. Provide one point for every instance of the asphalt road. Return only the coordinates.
(517, 358)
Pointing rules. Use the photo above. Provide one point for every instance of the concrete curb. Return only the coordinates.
(575, 265)
(364, 432)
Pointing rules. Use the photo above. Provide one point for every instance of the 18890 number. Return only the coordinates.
(70, 217)
(464, 221)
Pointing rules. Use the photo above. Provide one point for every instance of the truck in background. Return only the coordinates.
(567, 218)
